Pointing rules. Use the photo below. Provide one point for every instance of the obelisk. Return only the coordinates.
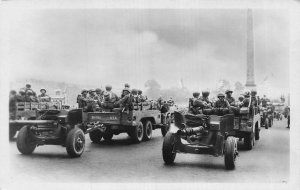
(250, 83)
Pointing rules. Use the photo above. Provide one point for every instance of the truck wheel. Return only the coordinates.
(12, 133)
(257, 134)
(249, 141)
(75, 142)
(95, 136)
(168, 151)
(137, 133)
(165, 128)
(270, 122)
(148, 131)
(108, 136)
(230, 152)
(267, 123)
(25, 142)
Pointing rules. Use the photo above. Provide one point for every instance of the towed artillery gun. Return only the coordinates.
(208, 133)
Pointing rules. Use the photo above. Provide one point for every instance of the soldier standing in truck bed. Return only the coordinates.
(83, 100)
(205, 100)
(127, 101)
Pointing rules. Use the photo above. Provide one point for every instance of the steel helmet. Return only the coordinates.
(221, 95)
(205, 93)
(83, 91)
(108, 87)
(196, 94)
(228, 91)
(43, 89)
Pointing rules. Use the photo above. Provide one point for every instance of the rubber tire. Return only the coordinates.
(72, 136)
(24, 142)
(167, 148)
(165, 128)
(257, 136)
(12, 133)
(230, 153)
(270, 123)
(147, 125)
(267, 123)
(138, 130)
(96, 136)
(108, 136)
(248, 141)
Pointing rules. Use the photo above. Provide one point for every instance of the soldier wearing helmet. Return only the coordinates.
(195, 103)
(21, 96)
(43, 97)
(221, 102)
(99, 94)
(30, 96)
(126, 102)
(82, 99)
(171, 101)
(229, 97)
(246, 100)
(110, 96)
(93, 104)
(205, 100)
(254, 99)
(127, 85)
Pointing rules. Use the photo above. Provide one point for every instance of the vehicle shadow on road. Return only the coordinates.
(46, 155)
(122, 142)
(196, 165)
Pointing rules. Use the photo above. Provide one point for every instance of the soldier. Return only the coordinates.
(264, 101)
(140, 96)
(93, 101)
(21, 96)
(30, 96)
(99, 94)
(159, 102)
(127, 86)
(43, 97)
(246, 100)
(193, 107)
(205, 100)
(241, 98)
(126, 102)
(171, 101)
(221, 102)
(254, 100)
(28, 88)
(229, 97)
(12, 104)
(112, 96)
(83, 99)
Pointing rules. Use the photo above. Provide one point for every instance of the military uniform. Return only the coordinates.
(230, 100)
(221, 103)
(43, 97)
(126, 102)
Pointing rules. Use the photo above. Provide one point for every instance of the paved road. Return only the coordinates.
(121, 161)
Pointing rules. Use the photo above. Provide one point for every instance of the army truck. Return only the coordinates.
(138, 123)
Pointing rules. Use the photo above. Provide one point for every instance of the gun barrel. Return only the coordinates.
(30, 122)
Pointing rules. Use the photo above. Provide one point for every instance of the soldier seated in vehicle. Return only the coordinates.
(205, 100)
(246, 100)
(110, 99)
(141, 97)
(43, 97)
(93, 101)
(30, 96)
(99, 94)
(21, 96)
(195, 103)
(83, 100)
(229, 98)
(171, 101)
(240, 100)
(221, 102)
(126, 103)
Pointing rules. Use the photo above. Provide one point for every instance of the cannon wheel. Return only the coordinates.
(137, 133)
(25, 143)
(95, 136)
(148, 130)
(165, 128)
(249, 141)
(267, 123)
(12, 133)
(257, 134)
(75, 143)
(108, 136)
(168, 148)
(230, 152)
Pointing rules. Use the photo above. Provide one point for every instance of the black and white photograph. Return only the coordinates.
(147, 96)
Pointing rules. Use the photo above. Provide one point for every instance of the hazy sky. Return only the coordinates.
(118, 46)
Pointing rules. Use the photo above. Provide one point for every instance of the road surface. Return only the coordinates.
(122, 161)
